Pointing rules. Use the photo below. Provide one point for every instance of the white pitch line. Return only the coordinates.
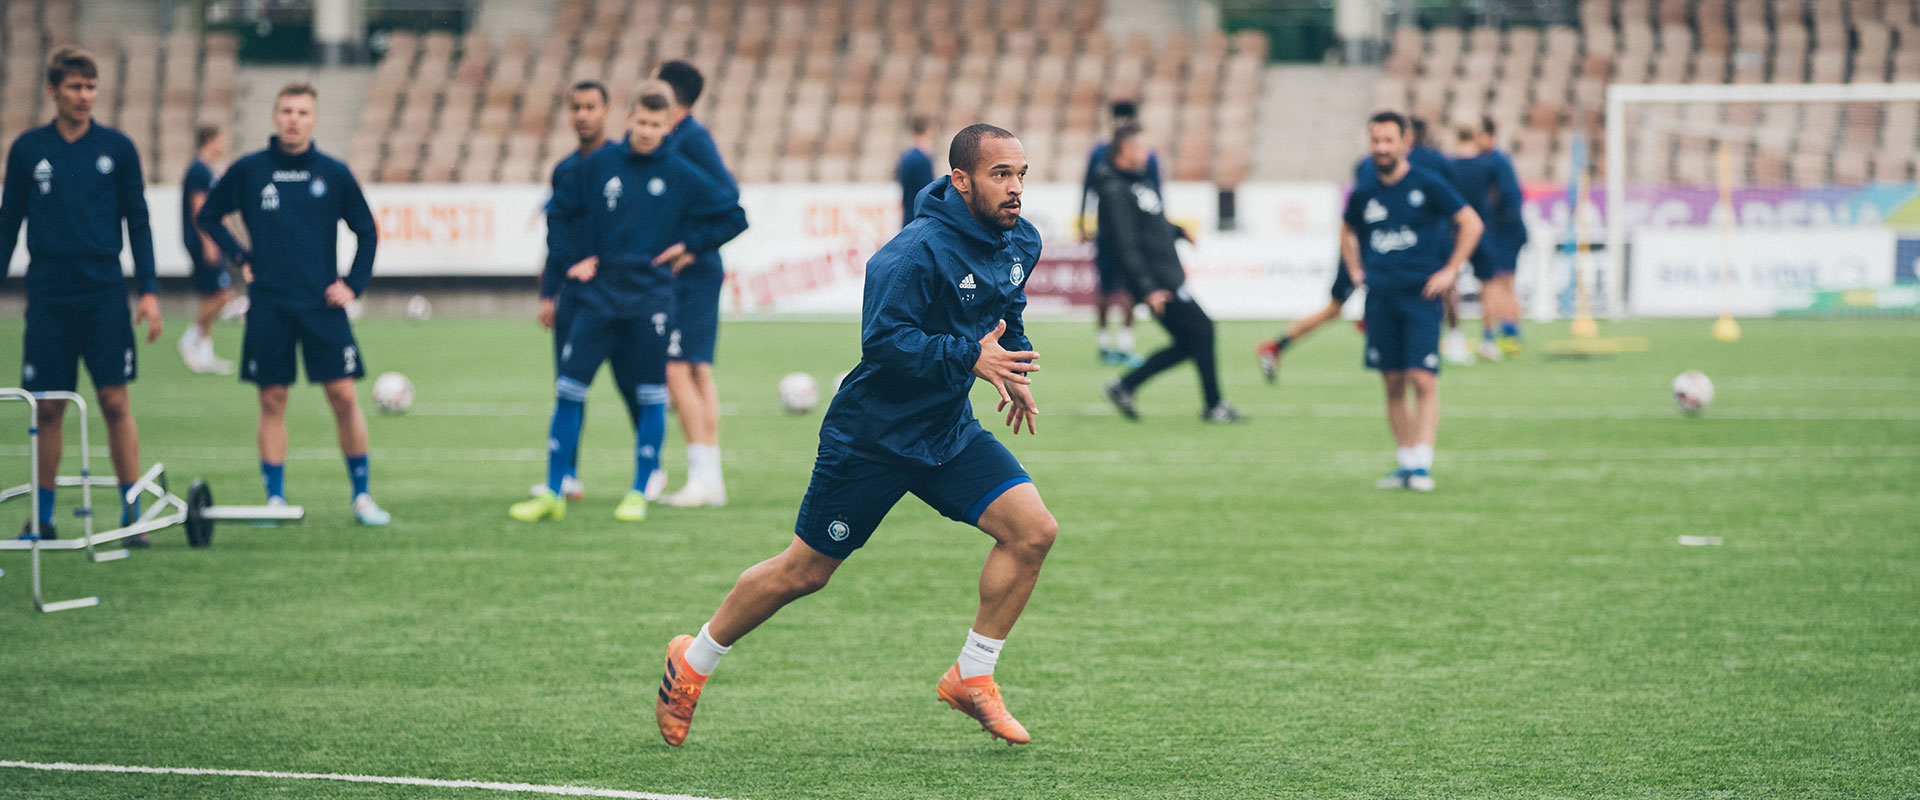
(494, 786)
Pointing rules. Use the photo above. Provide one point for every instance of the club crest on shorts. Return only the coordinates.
(838, 531)
(104, 163)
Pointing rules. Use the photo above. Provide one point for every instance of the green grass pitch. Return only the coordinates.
(1230, 612)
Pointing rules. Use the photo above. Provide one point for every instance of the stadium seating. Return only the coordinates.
(813, 90)
(155, 89)
(1544, 86)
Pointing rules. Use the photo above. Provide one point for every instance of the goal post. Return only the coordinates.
(1847, 146)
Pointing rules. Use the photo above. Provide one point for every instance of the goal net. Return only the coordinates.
(1755, 199)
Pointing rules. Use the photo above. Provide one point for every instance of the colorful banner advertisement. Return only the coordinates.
(1886, 205)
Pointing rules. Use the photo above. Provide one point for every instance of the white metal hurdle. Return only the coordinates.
(165, 509)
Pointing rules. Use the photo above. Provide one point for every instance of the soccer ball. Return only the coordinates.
(418, 309)
(798, 393)
(1692, 391)
(392, 393)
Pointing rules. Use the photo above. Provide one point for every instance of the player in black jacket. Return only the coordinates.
(1134, 230)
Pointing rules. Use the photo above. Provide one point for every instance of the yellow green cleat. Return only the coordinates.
(543, 506)
(632, 508)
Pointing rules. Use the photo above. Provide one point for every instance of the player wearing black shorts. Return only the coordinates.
(1399, 250)
(72, 182)
(943, 306)
(292, 199)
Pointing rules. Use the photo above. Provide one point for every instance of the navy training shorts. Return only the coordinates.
(850, 494)
(1403, 330)
(322, 335)
(696, 313)
(62, 333)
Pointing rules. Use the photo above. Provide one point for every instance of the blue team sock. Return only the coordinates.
(357, 471)
(275, 476)
(128, 511)
(650, 431)
(46, 505)
(1486, 334)
(563, 436)
(1510, 329)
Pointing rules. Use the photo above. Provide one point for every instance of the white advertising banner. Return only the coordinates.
(806, 249)
(1677, 271)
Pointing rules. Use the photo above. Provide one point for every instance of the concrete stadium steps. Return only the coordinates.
(1310, 121)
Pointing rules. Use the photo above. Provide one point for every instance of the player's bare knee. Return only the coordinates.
(341, 398)
(1425, 383)
(273, 402)
(115, 407)
(50, 412)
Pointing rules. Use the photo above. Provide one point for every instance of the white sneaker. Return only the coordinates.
(189, 349)
(367, 512)
(214, 363)
(1456, 350)
(656, 484)
(1420, 481)
(235, 309)
(1489, 351)
(696, 495)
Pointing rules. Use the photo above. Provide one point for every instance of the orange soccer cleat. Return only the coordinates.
(979, 698)
(679, 690)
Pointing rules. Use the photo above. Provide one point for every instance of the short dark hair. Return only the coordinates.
(1399, 120)
(1486, 125)
(591, 86)
(920, 124)
(964, 155)
(204, 134)
(70, 60)
(685, 79)
(297, 89)
(1125, 109)
(654, 98)
(1127, 132)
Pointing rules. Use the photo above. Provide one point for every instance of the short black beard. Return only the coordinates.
(987, 218)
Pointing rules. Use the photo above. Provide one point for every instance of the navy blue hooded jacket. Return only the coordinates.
(692, 141)
(553, 277)
(932, 292)
(73, 196)
(626, 207)
(292, 206)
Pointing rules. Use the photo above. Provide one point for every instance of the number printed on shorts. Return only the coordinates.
(128, 373)
(352, 358)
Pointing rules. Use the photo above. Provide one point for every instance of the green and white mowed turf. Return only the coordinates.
(1230, 611)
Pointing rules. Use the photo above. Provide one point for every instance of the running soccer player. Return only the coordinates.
(1114, 350)
(1270, 351)
(210, 279)
(943, 306)
(696, 307)
(1135, 231)
(630, 211)
(72, 182)
(915, 168)
(587, 109)
(1399, 252)
(292, 199)
(1485, 176)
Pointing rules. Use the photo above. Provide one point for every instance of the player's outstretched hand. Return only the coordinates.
(338, 295)
(585, 270)
(1020, 408)
(1000, 366)
(676, 257)
(148, 311)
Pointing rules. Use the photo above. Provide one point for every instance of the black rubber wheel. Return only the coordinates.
(199, 528)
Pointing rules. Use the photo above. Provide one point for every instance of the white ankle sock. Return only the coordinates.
(977, 657)
(1406, 458)
(1105, 339)
(703, 464)
(1423, 456)
(704, 654)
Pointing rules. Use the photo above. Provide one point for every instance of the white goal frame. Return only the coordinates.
(1620, 95)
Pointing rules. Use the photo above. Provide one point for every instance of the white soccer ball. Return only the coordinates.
(418, 309)
(392, 393)
(1692, 391)
(799, 393)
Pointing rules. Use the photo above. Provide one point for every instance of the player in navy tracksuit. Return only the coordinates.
(696, 309)
(210, 279)
(587, 108)
(914, 170)
(1486, 178)
(943, 306)
(72, 182)
(1113, 280)
(629, 210)
(292, 198)
(1398, 224)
